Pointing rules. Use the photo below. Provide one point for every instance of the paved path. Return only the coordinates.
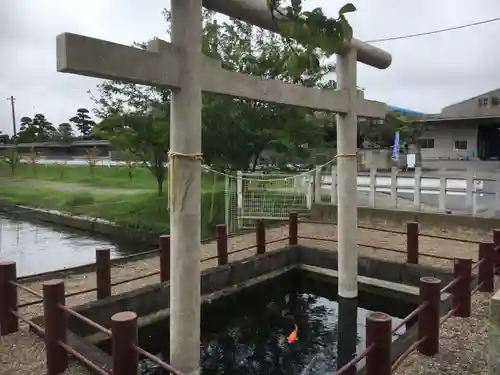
(62, 186)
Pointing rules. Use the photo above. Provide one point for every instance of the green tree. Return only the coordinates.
(145, 135)
(36, 129)
(83, 122)
(33, 157)
(12, 158)
(91, 157)
(380, 133)
(65, 132)
(235, 131)
(251, 126)
(4, 138)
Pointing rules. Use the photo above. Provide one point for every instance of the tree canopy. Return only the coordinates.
(145, 135)
(315, 30)
(65, 132)
(235, 131)
(36, 129)
(83, 122)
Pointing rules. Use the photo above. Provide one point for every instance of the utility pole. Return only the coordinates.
(13, 107)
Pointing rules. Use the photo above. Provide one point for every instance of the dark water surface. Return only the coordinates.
(246, 333)
(38, 247)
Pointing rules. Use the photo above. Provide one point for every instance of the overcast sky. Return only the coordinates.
(427, 72)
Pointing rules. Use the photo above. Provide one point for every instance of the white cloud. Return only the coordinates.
(427, 73)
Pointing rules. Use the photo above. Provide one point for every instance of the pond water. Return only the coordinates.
(246, 333)
(37, 247)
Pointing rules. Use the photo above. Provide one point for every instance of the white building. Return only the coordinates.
(468, 129)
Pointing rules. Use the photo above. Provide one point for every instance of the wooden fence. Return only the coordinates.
(123, 332)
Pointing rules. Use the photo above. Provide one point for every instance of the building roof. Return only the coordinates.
(477, 120)
(488, 93)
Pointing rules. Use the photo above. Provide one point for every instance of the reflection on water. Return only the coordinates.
(247, 333)
(37, 247)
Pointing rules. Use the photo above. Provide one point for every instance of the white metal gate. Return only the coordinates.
(265, 196)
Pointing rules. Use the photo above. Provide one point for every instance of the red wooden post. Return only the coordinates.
(164, 258)
(462, 269)
(8, 298)
(55, 326)
(428, 319)
(496, 241)
(378, 332)
(261, 237)
(221, 233)
(293, 229)
(103, 272)
(123, 339)
(486, 271)
(412, 230)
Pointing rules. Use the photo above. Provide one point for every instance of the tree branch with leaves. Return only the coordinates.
(316, 32)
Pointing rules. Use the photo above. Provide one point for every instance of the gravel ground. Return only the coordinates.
(463, 345)
(23, 352)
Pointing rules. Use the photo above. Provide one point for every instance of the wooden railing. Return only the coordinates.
(123, 332)
(379, 331)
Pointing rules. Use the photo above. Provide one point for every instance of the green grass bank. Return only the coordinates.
(144, 212)
(99, 176)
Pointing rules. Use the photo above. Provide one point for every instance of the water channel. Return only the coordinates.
(38, 247)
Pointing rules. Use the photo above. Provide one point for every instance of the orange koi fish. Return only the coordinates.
(292, 337)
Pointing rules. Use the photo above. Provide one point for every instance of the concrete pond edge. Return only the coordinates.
(217, 282)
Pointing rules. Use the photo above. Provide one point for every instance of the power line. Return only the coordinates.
(435, 31)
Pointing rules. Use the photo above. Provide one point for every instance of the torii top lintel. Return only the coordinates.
(257, 13)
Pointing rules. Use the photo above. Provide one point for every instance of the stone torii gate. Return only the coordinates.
(181, 67)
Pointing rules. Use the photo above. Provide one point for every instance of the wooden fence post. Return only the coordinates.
(496, 241)
(8, 298)
(412, 230)
(261, 236)
(103, 272)
(221, 233)
(461, 291)
(293, 229)
(123, 338)
(486, 270)
(428, 319)
(164, 258)
(55, 326)
(378, 332)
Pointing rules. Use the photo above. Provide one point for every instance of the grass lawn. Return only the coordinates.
(146, 212)
(112, 177)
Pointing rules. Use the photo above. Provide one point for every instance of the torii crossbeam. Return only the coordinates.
(180, 66)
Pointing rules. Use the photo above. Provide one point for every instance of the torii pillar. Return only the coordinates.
(257, 13)
(180, 66)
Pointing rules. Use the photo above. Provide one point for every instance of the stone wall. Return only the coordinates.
(380, 218)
